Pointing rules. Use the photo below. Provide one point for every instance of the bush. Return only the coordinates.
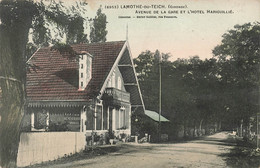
(58, 126)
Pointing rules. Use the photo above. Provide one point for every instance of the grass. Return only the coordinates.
(243, 155)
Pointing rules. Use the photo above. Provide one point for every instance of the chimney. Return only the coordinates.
(85, 70)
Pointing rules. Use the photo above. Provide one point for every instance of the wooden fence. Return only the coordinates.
(37, 147)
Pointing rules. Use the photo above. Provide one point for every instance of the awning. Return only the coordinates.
(155, 116)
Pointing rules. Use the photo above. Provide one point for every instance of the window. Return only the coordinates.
(99, 117)
(105, 118)
(90, 119)
(122, 118)
(113, 80)
(109, 84)
(81, 75)
(81, 66)
(89, 68)
(119, 83)
(40, 120)
(81, 84)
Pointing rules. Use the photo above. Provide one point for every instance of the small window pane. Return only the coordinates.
(105, 118)
(90, 119)
(99, 118)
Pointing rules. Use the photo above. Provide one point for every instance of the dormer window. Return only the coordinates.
(85, 70)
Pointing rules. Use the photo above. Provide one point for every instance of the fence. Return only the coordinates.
(37, 147)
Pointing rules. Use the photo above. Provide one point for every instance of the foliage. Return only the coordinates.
(141, 125)
(210, 93)
(98, 30)
(64, 49)
(19, 19)
(238, 56)
(16, 18)
(243, 155)
(58, 126)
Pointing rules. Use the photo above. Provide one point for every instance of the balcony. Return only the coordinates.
(113, 96)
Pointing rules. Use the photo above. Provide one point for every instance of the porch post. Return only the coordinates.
(83, 117)
(119, 117)
(32, 120)
(130, 116)
(47, 119)
(102, 117)
(108, 117)
(95, 117)
(113, 119)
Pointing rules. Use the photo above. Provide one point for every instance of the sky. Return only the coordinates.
(181, 34)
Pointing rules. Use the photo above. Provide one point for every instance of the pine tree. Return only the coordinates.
(98, 30)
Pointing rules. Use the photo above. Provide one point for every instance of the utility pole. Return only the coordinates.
(257, 130)
(160, 96)
(126, 32)
(93, 121)
(258, 112)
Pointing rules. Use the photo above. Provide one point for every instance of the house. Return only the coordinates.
(82, 88)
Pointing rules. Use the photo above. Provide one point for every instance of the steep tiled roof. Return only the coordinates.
(55, 75)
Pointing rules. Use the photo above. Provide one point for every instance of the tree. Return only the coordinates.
(98, 30)
(188, 86)
(148, 74)
(17, 17)
(238, 55)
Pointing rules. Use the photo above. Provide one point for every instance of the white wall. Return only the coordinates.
(117, 75)
(37, 147)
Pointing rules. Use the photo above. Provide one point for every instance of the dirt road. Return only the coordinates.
(198, 153)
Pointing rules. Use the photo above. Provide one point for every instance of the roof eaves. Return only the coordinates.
(32, 55)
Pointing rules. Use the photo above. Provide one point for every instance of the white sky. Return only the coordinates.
(184, 36)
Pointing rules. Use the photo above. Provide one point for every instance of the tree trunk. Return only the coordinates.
(185, 129)
(195, 129)
(215, 127)
(14, 37)
(219, 125)
(11, 111)
(241, 129)
(200, 127)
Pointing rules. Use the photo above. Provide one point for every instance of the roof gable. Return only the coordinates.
(56, 75)
(125, 64)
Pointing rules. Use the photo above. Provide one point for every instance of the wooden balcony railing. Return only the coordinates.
(116, 95)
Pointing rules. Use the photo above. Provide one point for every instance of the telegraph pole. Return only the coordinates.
(257, 130)
(126, 32)
(258, 111)
(160, 96)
